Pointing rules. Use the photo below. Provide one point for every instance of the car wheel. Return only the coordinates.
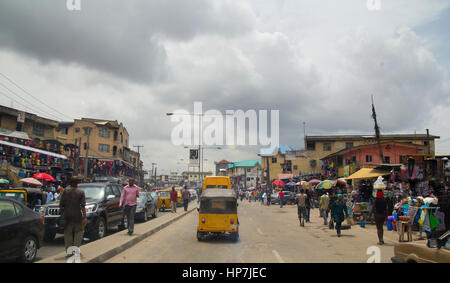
(99, 230)
(235, 236)
(49, 236)
(200, 236)
(155, 214)
(29, 250)
(145, 215)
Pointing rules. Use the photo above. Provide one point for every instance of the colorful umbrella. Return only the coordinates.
(314, 182)
(44, 176)
(278, 183)
(31, 181)
(325, 185)
(4, 181)
(251, 188)
(341, 181)
(291, 184)
(306, 185)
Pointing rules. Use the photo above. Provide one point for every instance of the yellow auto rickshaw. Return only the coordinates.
(164, 200)
(218, 214)
(25, 195)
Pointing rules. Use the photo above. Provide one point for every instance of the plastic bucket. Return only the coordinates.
(362, 224)
(389, 225)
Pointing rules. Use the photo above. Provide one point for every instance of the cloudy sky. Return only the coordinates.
(317, 62)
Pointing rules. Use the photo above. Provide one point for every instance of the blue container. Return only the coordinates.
(389, 225)
(362, 224)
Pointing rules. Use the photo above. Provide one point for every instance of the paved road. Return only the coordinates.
(267, 235)
(56, 246)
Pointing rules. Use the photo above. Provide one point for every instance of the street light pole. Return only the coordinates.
(87, 152)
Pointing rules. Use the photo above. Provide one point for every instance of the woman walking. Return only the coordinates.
(337, 212)
(380, 210)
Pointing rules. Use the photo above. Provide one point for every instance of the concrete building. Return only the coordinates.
(290, 161)
(222, 167)
(245, 173)
(195, 176)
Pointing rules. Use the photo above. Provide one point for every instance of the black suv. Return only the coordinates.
(102, 211)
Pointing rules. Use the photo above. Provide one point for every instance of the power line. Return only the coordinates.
(34, 96)
(26, 101)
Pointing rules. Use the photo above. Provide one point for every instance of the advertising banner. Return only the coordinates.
(193, 157)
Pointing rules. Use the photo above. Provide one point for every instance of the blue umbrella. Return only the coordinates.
(291, 184)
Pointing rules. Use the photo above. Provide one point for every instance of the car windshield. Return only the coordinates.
(93, 192)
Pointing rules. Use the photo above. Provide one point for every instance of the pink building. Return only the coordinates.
(365, 154)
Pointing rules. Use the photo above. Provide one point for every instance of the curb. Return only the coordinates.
(103, 256)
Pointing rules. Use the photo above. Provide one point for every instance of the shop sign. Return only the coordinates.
(193, 157)
(346, 171)
(21, 117)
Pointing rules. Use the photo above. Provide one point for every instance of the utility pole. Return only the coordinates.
(138, 147)
(87, 152)
(377, 131)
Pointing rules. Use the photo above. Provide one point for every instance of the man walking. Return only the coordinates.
(281, 195)
(173, 199)
(301, 207)
(186, 197)
(72, 209)
(337, 212)
(309, 205)
(323, 206)
(128, 201)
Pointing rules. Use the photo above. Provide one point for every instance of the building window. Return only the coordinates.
(274, 160)
(249, 169)
(103, 133)
(295, 167)
(387, 159)
(327, 146)
(77, 130)
(103, 147)
(248, 179)
(354, 159)
(85, 146)
(310, 145)
(38, 129)
(368, 158)
(348, 144)
(65, 131)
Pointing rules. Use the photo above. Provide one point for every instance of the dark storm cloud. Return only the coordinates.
(117, 37)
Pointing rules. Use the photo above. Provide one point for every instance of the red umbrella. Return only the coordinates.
(44, 176)
(278, 183)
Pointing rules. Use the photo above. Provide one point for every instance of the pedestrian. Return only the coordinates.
(128, 201)
(338, 209)
(73, 212)
(380, 210)
(309, 205)
(173, 199)
(264, 196)
(186, 197)
(281, 195)
(301, 206)
(269, 197)
(49, 196)
(323, 207)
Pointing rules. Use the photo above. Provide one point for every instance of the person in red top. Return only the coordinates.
(281, 195)
(173, 199)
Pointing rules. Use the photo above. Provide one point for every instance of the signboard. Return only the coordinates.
(21, 116)
(193, 157)
(346, 171)
(290, 155)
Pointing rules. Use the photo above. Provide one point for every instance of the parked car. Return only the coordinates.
(429, 251)
(146, 206)
(287, 197)
(102, 211)
(21, 231)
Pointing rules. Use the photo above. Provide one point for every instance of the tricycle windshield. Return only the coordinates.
(218, 206)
